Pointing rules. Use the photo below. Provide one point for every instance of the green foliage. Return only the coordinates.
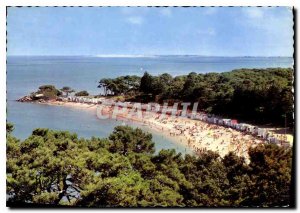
(67, 90)
(260, 96)
(270, 175)
(121, 85)
(56, 168)
(82, 93)
(146, 83)
(124, 140)
(9, 128)
(48, 92)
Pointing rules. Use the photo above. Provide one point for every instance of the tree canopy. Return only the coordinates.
(48, 92)
(56, 168)
(121, 85)
(261, 96)
(82, 93)
(67, 90)
(9, 128)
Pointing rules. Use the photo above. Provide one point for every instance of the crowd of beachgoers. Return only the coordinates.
(199, 131)
(202, 135)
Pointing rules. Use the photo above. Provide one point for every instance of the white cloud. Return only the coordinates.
(166, 12)
(267, 19)
(134, 15)
(254, 12)
(136, 20)
(271, 26)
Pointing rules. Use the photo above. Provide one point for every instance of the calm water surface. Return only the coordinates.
(26, 74)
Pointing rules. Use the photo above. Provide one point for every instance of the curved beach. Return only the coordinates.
(197, 135)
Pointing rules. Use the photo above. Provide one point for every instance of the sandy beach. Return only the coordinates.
(197, 135)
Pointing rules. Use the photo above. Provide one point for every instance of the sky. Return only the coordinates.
(208, 31)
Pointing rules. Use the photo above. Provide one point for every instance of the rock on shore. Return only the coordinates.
(25, 99)
(30, 99)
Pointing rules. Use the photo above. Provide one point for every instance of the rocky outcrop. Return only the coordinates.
(41, 101)
(25, 99)
(32, 99)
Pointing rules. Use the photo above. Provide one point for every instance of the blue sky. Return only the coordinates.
(212, 31)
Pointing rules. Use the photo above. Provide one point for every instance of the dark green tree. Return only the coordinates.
(9, 128)
(146, 83)
(55, 168)
(125, 139)
(82, 93)
(67, 90)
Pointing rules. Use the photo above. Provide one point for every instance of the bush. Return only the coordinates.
(49, 92)
(82, 93)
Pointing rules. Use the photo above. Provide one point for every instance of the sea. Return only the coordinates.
(26, 73)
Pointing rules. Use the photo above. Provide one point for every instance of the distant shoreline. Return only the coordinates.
(148, 56)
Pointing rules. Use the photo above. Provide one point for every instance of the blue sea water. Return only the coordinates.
(26, 73)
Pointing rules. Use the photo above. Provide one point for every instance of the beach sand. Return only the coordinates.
(197, 135)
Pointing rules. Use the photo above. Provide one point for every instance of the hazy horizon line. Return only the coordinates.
(148, 55)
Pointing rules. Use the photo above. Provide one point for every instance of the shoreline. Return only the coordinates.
(92, 109)
(196, 135)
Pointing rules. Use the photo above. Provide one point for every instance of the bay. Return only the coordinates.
(26, 73)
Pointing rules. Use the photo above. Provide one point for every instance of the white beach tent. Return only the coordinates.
(254, 130)
(240, 126)
(248, 128)
(203, 117)
(215, 120)
(220, 121)
(262, 132)
(227, 122)
(210, 120)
